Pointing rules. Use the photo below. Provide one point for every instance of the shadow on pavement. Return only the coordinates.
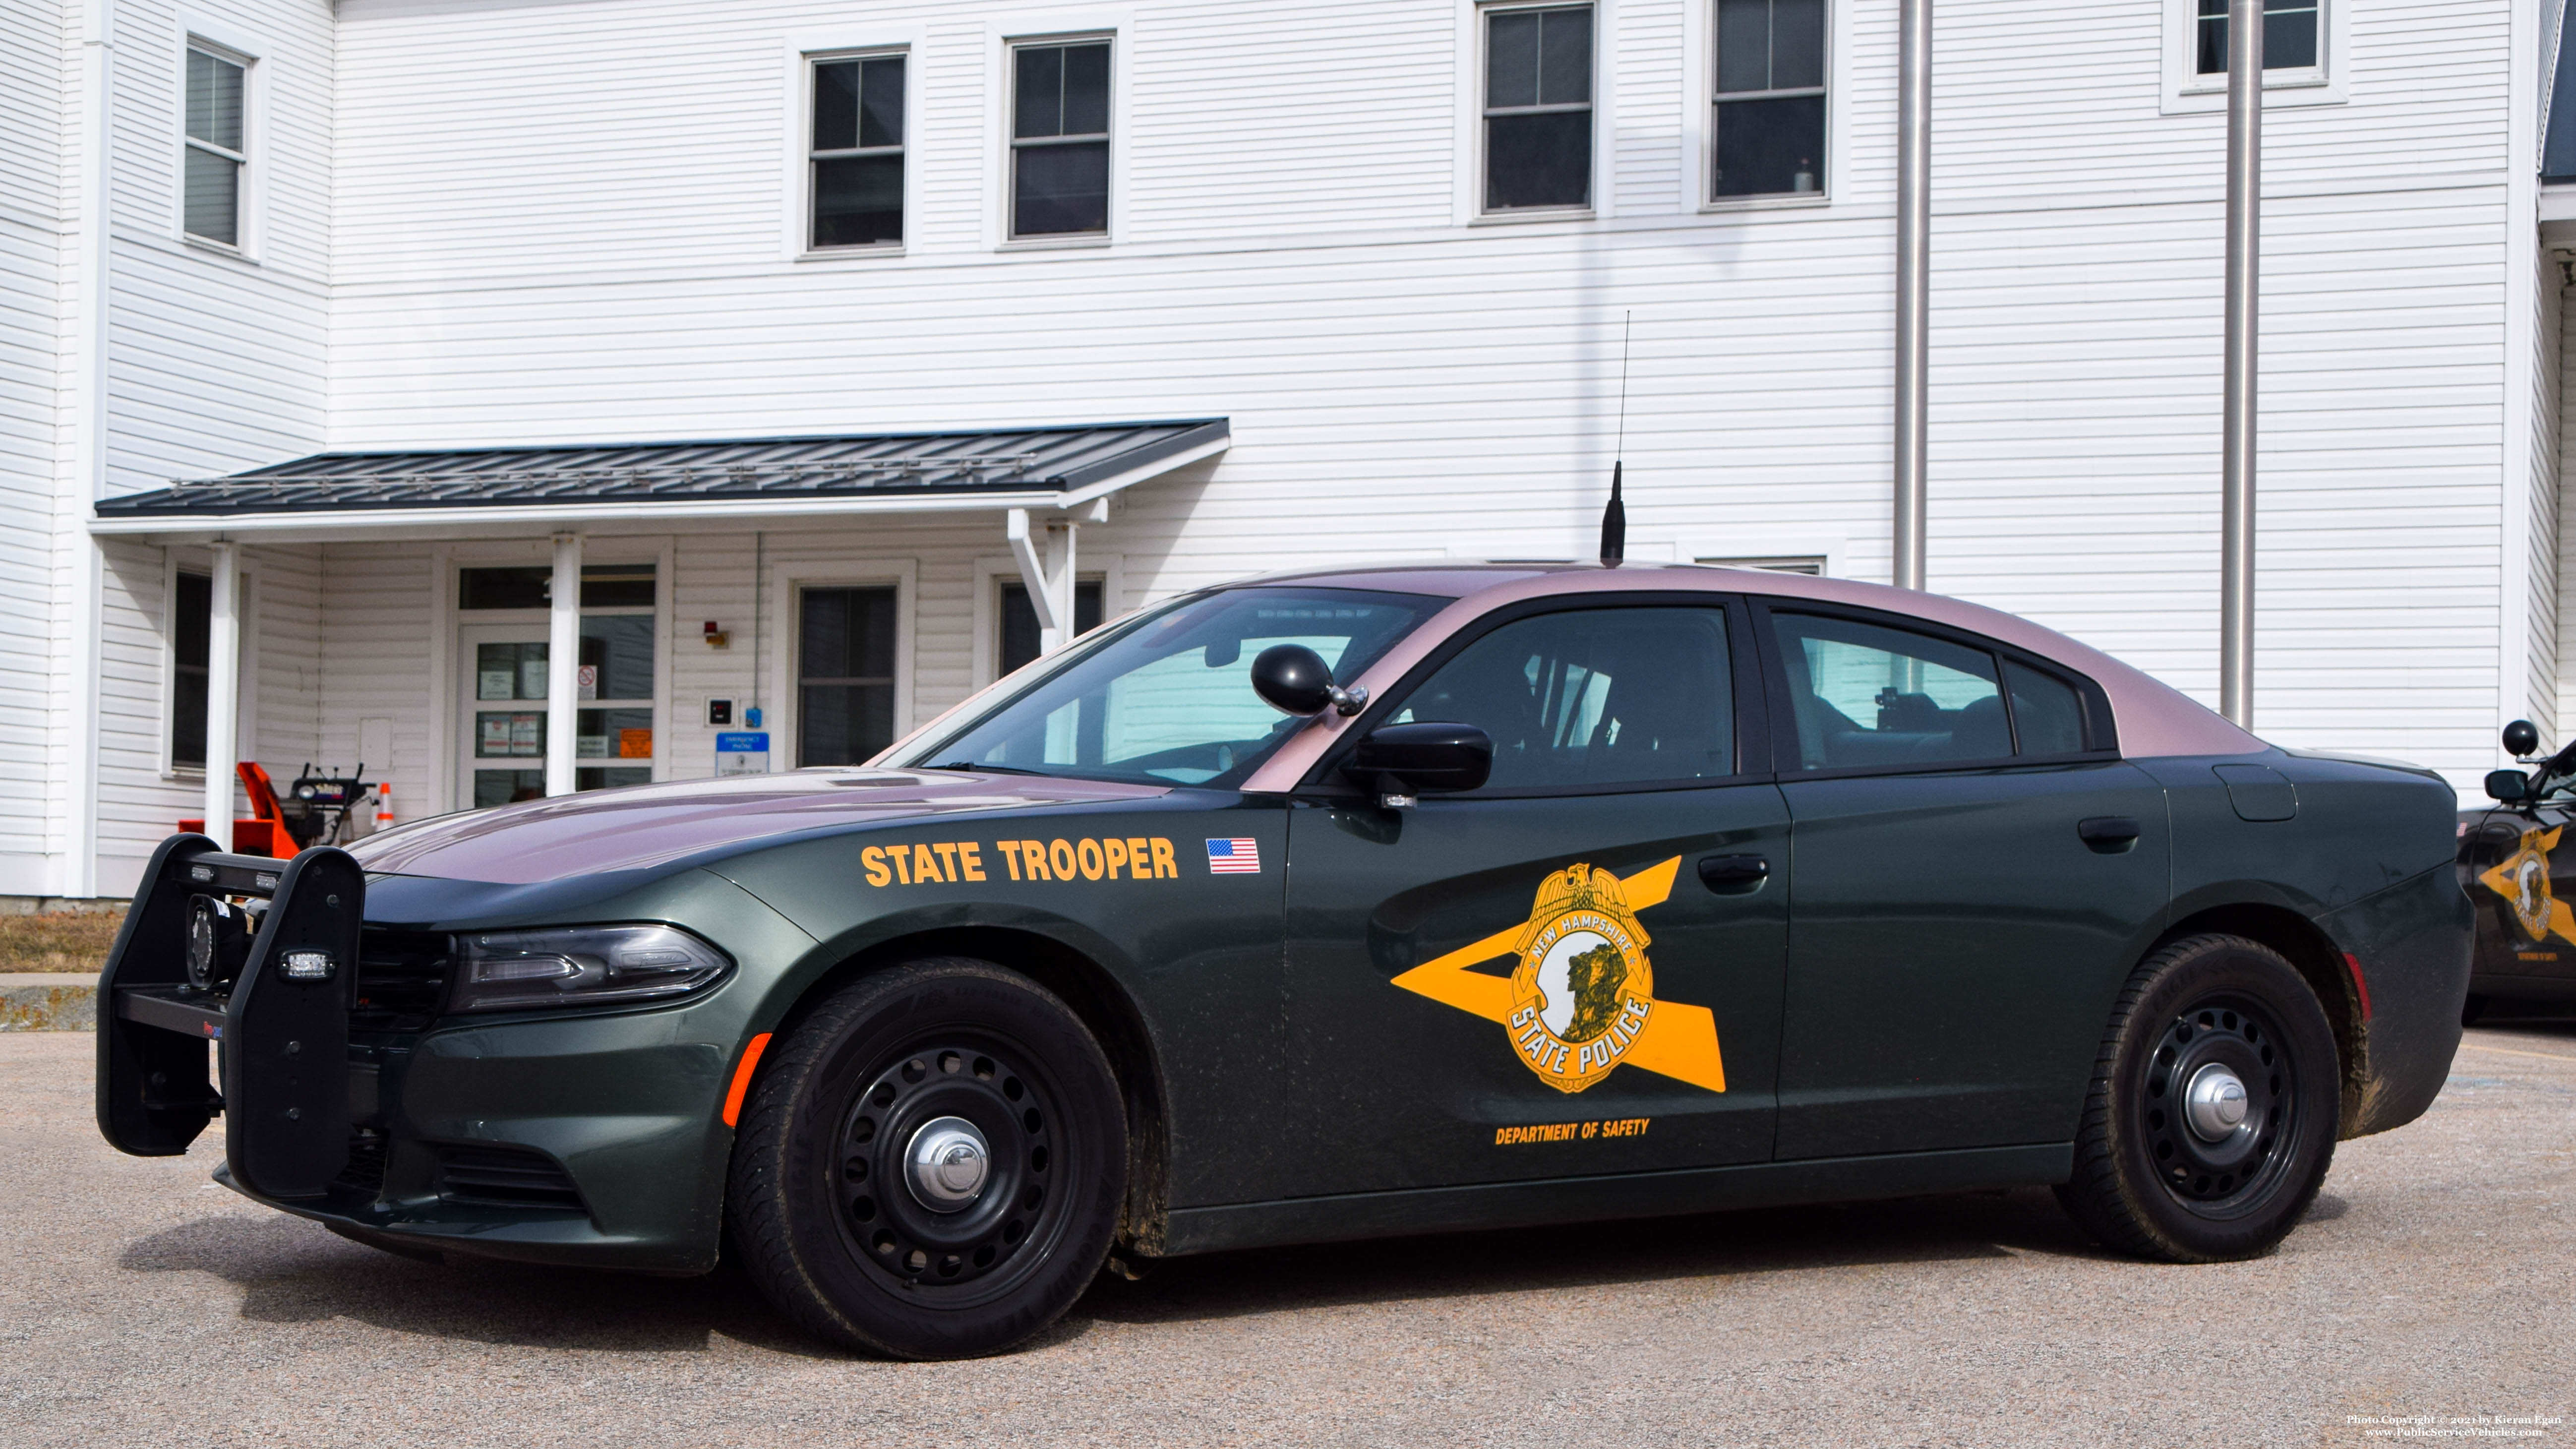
(1714, 1245)
(293, 1271)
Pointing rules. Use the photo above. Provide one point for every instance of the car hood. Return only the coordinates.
(654, 825)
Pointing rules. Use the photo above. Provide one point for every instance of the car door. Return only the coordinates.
(1536, 978)
(1974, 868)
(2519, 866)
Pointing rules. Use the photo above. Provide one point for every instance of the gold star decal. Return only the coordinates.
(2522, 878)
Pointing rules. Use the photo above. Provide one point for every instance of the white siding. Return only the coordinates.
(32, 119)
(215, 364)
(491, 224)
(1398, 384)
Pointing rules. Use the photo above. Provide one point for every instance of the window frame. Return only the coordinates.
(809, 62)
(2188, 92)
(795, 632)
(1479, 113)
(1753, 727)
(778, 696)
(2101, 733)
(1711, 98)
(173, 767)
(994, 570)
(1010, 144)
(249, 173)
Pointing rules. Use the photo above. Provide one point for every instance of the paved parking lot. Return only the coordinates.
(139, 1304)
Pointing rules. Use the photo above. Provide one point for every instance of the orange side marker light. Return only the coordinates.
(742, 1077)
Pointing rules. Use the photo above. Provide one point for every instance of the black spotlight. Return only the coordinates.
(218, 943)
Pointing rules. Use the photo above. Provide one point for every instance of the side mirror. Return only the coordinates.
(2508, 786)
(2521, 739)
(1294, 679)
(1429, 756)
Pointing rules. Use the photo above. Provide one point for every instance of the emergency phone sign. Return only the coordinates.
(742, 752)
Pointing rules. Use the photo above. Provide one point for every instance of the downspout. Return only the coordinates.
(76, 554)
(1913, 286)
(2244, 330)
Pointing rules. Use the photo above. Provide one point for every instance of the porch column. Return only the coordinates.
(563, 665)
(223, 694)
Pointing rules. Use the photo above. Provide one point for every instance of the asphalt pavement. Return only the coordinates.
(2435, 1282)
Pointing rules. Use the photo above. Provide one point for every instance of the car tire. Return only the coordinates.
(2473, 1007)
(2161, 1172)
(872, 1218)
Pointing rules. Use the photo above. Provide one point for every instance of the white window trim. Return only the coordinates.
(217, 38)
(1003, 35)
(1752, 543)
(1699, 115)
(992, 572)
(787, 580)
(796, 131)
(1469, 209)
(246, 620)
(2189, 93)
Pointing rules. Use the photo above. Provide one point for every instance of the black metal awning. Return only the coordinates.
(1011, 467)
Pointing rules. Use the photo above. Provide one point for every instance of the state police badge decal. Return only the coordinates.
(1580, 1001)
(1584, 989)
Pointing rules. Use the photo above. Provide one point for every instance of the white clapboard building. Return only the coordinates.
(814, 337)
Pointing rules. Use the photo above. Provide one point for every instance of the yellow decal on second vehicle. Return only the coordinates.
(1582, 1001)
(2522, 878)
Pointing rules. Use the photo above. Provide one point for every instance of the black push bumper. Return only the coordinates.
(281, 1030)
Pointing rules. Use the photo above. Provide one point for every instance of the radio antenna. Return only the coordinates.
(1614, 519)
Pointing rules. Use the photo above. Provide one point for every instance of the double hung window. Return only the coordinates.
(1538, 108)
(858, 154)
(845, 674)
(1018, 643)
(213, 156)
(1060, 139)
(2290, 35)
(1768, 128)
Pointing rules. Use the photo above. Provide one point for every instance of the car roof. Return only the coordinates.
(2153, 718)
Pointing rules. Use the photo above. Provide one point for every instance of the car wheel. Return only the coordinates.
(931, 1164)
(2471, 1009)
(2213, 1110)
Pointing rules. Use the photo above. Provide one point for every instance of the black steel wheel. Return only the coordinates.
(931, 1165)
(2211, 1119)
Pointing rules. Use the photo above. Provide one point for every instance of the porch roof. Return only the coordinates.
(764, 478)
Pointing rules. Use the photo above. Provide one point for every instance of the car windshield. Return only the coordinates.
(1167, 697)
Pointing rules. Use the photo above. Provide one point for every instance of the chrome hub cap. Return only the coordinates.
(2214, 1103)
(948, 1162)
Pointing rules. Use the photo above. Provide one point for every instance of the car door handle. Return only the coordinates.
(2108, 833)
(1733, 874)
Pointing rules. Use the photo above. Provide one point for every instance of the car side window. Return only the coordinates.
(1866, 695)
(1593, 697)
(2048, 717)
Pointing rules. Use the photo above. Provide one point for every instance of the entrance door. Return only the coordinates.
(1574, 970)
(507, 676)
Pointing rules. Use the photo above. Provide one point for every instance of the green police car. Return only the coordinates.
(1333, 905)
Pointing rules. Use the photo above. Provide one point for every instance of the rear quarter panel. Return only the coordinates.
(2368, 860)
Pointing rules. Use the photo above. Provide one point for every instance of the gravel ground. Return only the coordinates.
(2436, 1277)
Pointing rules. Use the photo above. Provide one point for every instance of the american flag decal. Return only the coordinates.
(1239, 856)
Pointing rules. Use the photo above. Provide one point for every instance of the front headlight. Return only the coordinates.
(580, 966)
